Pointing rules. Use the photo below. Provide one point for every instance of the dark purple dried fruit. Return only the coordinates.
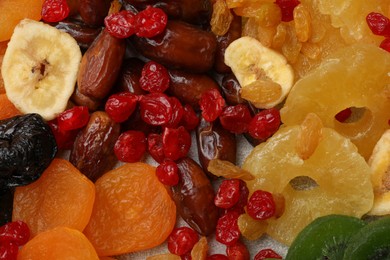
(27, 146)
(6, 206)
(83, 34)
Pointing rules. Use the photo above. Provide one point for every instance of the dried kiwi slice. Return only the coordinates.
(371, 242)
(325, 238)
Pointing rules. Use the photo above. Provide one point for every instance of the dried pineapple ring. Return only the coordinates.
(357, 76)
(340, 173)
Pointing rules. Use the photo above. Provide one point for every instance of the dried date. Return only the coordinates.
(93, 12)
(129, 76)
(83, 34)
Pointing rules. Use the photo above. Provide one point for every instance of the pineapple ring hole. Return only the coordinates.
(303, 183)
(358, 123)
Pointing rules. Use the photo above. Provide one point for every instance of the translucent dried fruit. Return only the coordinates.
(267, 253)
(227, 170)
(267, 13)
(261, 93)
(221, 18)
(200, 249)
(302, 22)
(309, 137)
(251, 228)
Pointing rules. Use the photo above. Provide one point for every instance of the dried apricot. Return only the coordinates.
(60, 243)
(7, 109)
(62, 196)
(133, 211)
(3, 48)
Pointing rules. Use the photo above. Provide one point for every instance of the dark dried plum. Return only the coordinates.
(6, 206)
(27, 146)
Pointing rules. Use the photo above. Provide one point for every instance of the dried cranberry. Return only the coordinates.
(211, 103)
(154, 77)
(176, 142)
(151, 22)
(236, 119)
(217, 257)
(130, 146)
(121, 106)
(73, 118)
(177, 114)
(379, 24)
(182, 240)
(267, 253)
(238, 251)
(228, 193)
(155, 108)
(121, 25)
(16, 232)
(64, 139)
(186, 256)
(385, 44)
(227, 231)
(167, 173)
(54, 10)
(8, 251)
(190, 119)
(261, 205)
(264, 124)
(243, 200)
(343, 115)
(155, 147)
(287, 8)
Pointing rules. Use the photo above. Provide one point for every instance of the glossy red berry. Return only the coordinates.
(16, 232)
(379, 24)
(176, 142)
(155, 108)
(177, 113)
(236, 119)
(343, 115)
(267, 253)
(190, 119)
(154, 77)
(182, 240)
(227, 231)
(64, 139)
(217, 257)
(168, 173)
(228, 193)
(121, 106)
(385, 44)
(264, 124)
(73, 118)
(8, 251)
(211, 103)
(121, 25)
(155, 147)
(151, 22)
(130, 146)
(287, 8)
(261, 205)
(54, 10)
(238, 251)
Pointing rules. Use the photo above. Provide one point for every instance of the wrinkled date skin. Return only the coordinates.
(231, 89)
(194, 197)
(92, 151)
(188, 87)
(83, 34)
(93, 12)
(180, 46)
(27, 147)
(214, 142)
(100, 66)
(129, 76)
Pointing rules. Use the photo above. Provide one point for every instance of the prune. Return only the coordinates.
(27, 146)
(6, 206)
(83, 34)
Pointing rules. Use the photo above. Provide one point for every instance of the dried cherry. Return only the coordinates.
(267, 253)
(121, 106)
(16, 232)
(155, 147)
(154, 77)
(167, 173)
(227, 231)
(236, 118)
(54, 10)
(176, 142)
(238, 251)
(182, 240)
(228, 193)
(211, 103)
(261, 205)
(156, 108)
(264, 124)
(130, 146)
(151, 22)
(379, 24)
(73, 118)
(120, 25)
(287, 8)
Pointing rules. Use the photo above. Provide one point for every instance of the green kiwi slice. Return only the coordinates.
(324, 238)
(371, 242)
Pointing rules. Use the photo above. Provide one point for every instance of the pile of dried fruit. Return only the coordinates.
(90, 90)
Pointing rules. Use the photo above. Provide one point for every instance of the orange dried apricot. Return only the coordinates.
(62, 196)
(133, 211)
(7, 109)
(60, 243)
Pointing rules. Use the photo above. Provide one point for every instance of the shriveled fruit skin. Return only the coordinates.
(133, 211)
(356, 76)
(340, 172)
(62, 196)
(60, 243)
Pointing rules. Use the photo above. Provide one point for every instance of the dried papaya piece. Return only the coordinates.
(7, 109)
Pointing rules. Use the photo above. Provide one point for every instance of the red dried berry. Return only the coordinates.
(261, 205)
(238, 251)
(8, 251)
(168, 173)
(154, 77)
(267, 253)
(227, 231)
(211, 103)
(130, 146)
(287, 8)
(378, 24)
(217, 257)
(177, 114)
(155, 147)
(190, 119)
(385, 44)
(121, 106)
(16, 232)
(155, 108)
(122, 24)
(343, 115)
(186, 256)
(151, 22)
(176, 142)
(182, 240)
(228, 194)
(64, 139)
(264, 124)
(236, 119)
(73, 118)
(54, 10)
